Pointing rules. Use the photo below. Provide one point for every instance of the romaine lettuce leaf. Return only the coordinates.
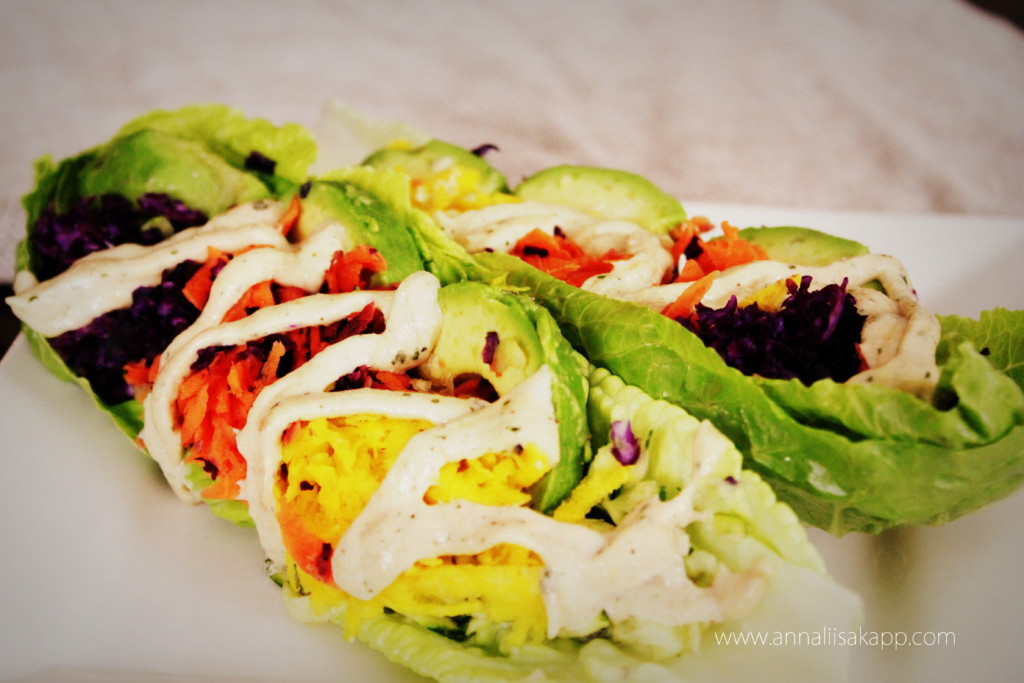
(444, 257)
(234, 511)
(666, 433)
(881, 459)
(127, 415)
(799, 601)
(996, 334)
(199, 154)
(228, 133)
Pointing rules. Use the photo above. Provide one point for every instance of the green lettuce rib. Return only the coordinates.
(845, 458)
(667, 432)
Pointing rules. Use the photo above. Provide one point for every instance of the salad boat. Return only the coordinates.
(862, 409)
(161, 174)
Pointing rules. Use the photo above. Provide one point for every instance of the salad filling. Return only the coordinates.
(115, 311)
(632, 257)
(421, 507)
(96, 223)
(764, 317)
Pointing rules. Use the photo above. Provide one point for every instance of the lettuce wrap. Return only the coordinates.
(852, 442)
(664, 552)
(340, 232)
(162, 173)
(845, 457)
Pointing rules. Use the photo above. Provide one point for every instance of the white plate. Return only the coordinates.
(106, 575)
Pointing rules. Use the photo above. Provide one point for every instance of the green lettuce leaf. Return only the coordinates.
(845, 458)
(444, 257)
(798, 601)
(996, 334)
(126, 416)
(666, 434)
(234, 511)
(231, 135)
(196, 154)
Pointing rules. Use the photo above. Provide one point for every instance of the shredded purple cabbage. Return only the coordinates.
(367, 321)
(100, 350)
(814, 335)
(97, 223)
(490, 347)
(484, 149)
(624, 445)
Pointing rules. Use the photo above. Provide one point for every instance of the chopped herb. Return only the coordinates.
(484, 149)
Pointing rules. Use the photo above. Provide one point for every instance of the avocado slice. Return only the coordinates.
(802, 246)
(153, 161)
(486, 333)
(368, 219)
(434, 156)
(606, 193)
(505, 338)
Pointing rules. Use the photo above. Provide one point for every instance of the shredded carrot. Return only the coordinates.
(269, 372)
(192, 419)
(304, 546)
(394, 381)
(213, 402)
(682, 307)
(210, 417)
(712, 255)
(467, 386)
(136, 373)
(197, 289)
(291, 216)
(353, 269)
(191, 386)
(561, 257)
(140, 376)
(260, 295)
(684, 234)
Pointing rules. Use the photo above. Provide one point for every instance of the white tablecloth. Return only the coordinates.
(912, 105)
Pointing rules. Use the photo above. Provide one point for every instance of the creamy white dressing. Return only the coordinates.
(159, 433)
(634, 570)
(499, 227)
(302, 265)
(413, 323)
(899, 336)
(105, 280)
